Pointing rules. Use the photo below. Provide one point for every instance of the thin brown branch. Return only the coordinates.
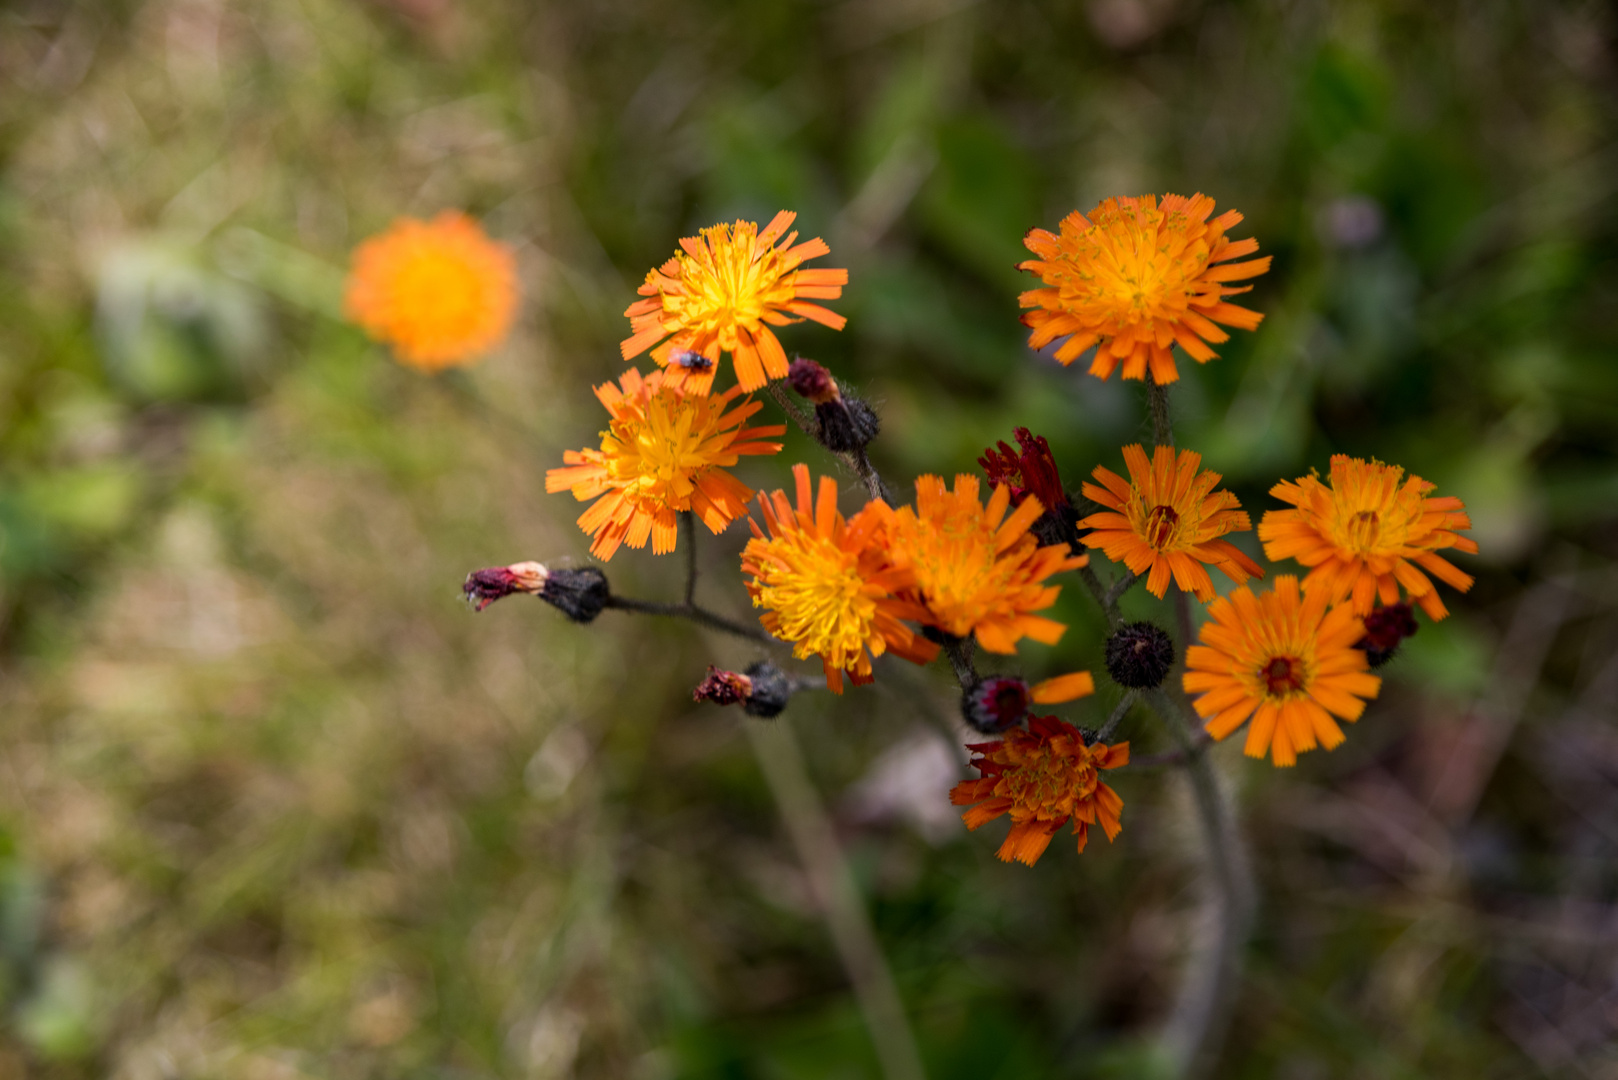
(696, 614)
(1157, 403)
(1117, 717)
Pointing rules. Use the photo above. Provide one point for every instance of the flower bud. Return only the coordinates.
(580, 594)
(1031, 470)
(994, 704)
(1139, 656)
(1385, 628)
(763, 691)
(846, 423)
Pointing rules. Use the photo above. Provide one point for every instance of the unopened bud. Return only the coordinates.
(1385, 629)
(1139, 656)
(580, 594)
(994, 704)
(811, 380)
(763, 691)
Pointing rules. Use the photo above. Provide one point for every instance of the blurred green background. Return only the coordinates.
(274, 805)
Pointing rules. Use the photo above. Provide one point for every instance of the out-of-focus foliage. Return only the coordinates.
(274, 805)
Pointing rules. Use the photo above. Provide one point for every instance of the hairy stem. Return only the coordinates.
(688, 536)
(859, 461)
(696, 614)
(1117, 717)
(838, 896)
(1109, 608)
(1204, 1003)
(1116, 592)
(1157, 403)
(959, 653)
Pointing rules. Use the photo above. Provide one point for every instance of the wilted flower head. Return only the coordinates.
(1134, 279)
(440, 292)
(580, 594)
(1385, 628)
(1042, 777)
(762, 691)
(664, 451)
(721, 293)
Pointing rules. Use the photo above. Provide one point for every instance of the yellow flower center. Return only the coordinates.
(659, 457)
(818, 597)
(732, 283)
(1046, 781)
(1161, 526)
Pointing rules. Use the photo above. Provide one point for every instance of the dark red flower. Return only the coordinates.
(1032, 471)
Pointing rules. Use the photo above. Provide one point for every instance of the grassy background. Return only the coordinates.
(274, 805)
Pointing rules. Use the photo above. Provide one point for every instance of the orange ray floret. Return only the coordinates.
(977, 570)
(1135, 279)
(717, 294)
(1042, 777)
(664, 451)
(1283, 660)
(1366, 534)
(440, 292)
(1167, 518)
(828, 584)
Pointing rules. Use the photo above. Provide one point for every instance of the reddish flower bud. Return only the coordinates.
(763, 691)
(1385, 628)
(996, 703)
(1030, 471)
(579, 594)
(812, 381)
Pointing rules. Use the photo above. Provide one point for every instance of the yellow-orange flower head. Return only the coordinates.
(978, 571)
(1042, 777)
(721, 293)
(440, 292)
(663, 451)
(1135, 278)
(1366, 533)
(1284, 660)
(828, 585)
(1167, 518)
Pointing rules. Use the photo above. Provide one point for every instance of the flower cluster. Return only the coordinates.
(960, 569)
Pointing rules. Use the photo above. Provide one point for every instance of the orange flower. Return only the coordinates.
(1042, 777)
(663, 451)
(440, 292)
(717, 294)
(1362, 534)
(828, 585)
(1168, 518)
(1290, 665)
(1136, 278)
(975, 572)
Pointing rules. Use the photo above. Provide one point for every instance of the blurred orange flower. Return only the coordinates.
(663, 451)
(440, 292)
(1135, 278)
(1042, 777)
(1167, 518)
(717, 294)
(1365, 534)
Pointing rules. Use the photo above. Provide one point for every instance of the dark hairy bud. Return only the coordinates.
(579, 594)
(996, 703)
(1139, 655)
(846, 423)
(1385, 629)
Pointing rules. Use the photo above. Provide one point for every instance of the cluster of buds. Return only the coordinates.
(580, 594)
(846, 422)
(762, 691)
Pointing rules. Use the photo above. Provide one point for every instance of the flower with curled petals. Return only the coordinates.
(664, 451)
(1043, 777)
(440, 292)
(977, 570)
(1365, 534)
(1283, 661)
(721, 293)
(1166, 520)
(828, 585)
(1135, 278)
